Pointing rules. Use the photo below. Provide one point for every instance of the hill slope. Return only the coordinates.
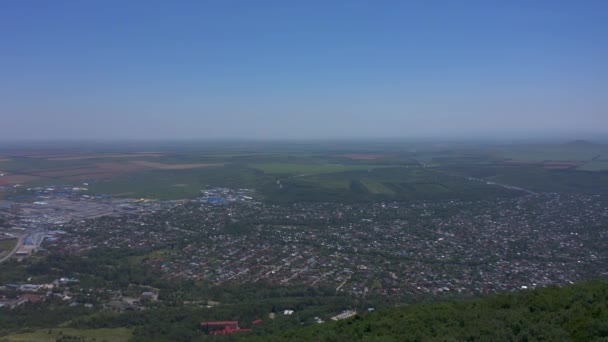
(574, 313)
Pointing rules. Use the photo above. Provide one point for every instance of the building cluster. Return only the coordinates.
(13, 295)
(69, 291)
(226, 195)
(41, 213)
(222, 327)
(391, 249)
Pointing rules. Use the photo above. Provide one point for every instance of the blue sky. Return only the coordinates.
(302, 69)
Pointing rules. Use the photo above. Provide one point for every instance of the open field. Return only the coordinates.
(297, 168)
(594, 166)
(377, 187)
(7, 245)
(538, 178)
(396, 183)
(43, 171)
(309, 171)
(363, 156)
(51, 335)
(555, 165)
(161, 166)
(180, 183)
(97, 156)
(572, 152)
(9, 179)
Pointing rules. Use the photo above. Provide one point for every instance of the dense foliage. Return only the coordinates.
(575, 313)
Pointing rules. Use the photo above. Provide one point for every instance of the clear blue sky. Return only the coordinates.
(302, 69)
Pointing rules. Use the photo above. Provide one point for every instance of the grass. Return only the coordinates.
(313, 172)
(552, 152)
(540, 179)
(334, 184)
(397, 183)
(109, 335)
(305, 168)
(377, 187)
(594, 166)
(177, 184)
(7, 245)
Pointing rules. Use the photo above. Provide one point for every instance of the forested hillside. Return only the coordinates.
(574, 313)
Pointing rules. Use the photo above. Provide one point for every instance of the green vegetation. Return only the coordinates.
(594, 166)
(357, 183)
(582, 152)
(575, 313)
(176, 184)
(318, 171)
(377, 187)
(396, 183)
(7, 245)
(170, 319)
(297, 168)
(69, 334)
(538, 179)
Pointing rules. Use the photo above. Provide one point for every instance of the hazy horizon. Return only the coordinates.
(271, 70)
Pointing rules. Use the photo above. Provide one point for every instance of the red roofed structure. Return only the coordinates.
(222, 327)
(32, 298)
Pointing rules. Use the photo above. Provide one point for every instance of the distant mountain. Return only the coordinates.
(572, 313)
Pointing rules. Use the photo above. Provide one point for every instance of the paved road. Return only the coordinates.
(17, 245)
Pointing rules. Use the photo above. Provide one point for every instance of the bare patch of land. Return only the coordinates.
(16, 179)
(114, 155)
(548, 164)
(90, 170)
(356, 156)
(161, 166)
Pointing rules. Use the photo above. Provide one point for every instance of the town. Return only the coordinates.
(392, 249)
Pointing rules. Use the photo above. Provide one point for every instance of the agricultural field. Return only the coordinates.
(575, 151)
(68, 334)
(178, 183)
(375, 187)
(538, 178)
(594, 166)
(7, 245)
(294, 171)
(297, 168)
(396, 183)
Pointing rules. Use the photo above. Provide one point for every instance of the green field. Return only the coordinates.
(330, 171)
(584, 152)
(176, 184)
(539, 179)
(377, 187)
(7, 245)
(333, 184)
(594, 166)
(51, 335)
(302, 168)
(396, 183)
